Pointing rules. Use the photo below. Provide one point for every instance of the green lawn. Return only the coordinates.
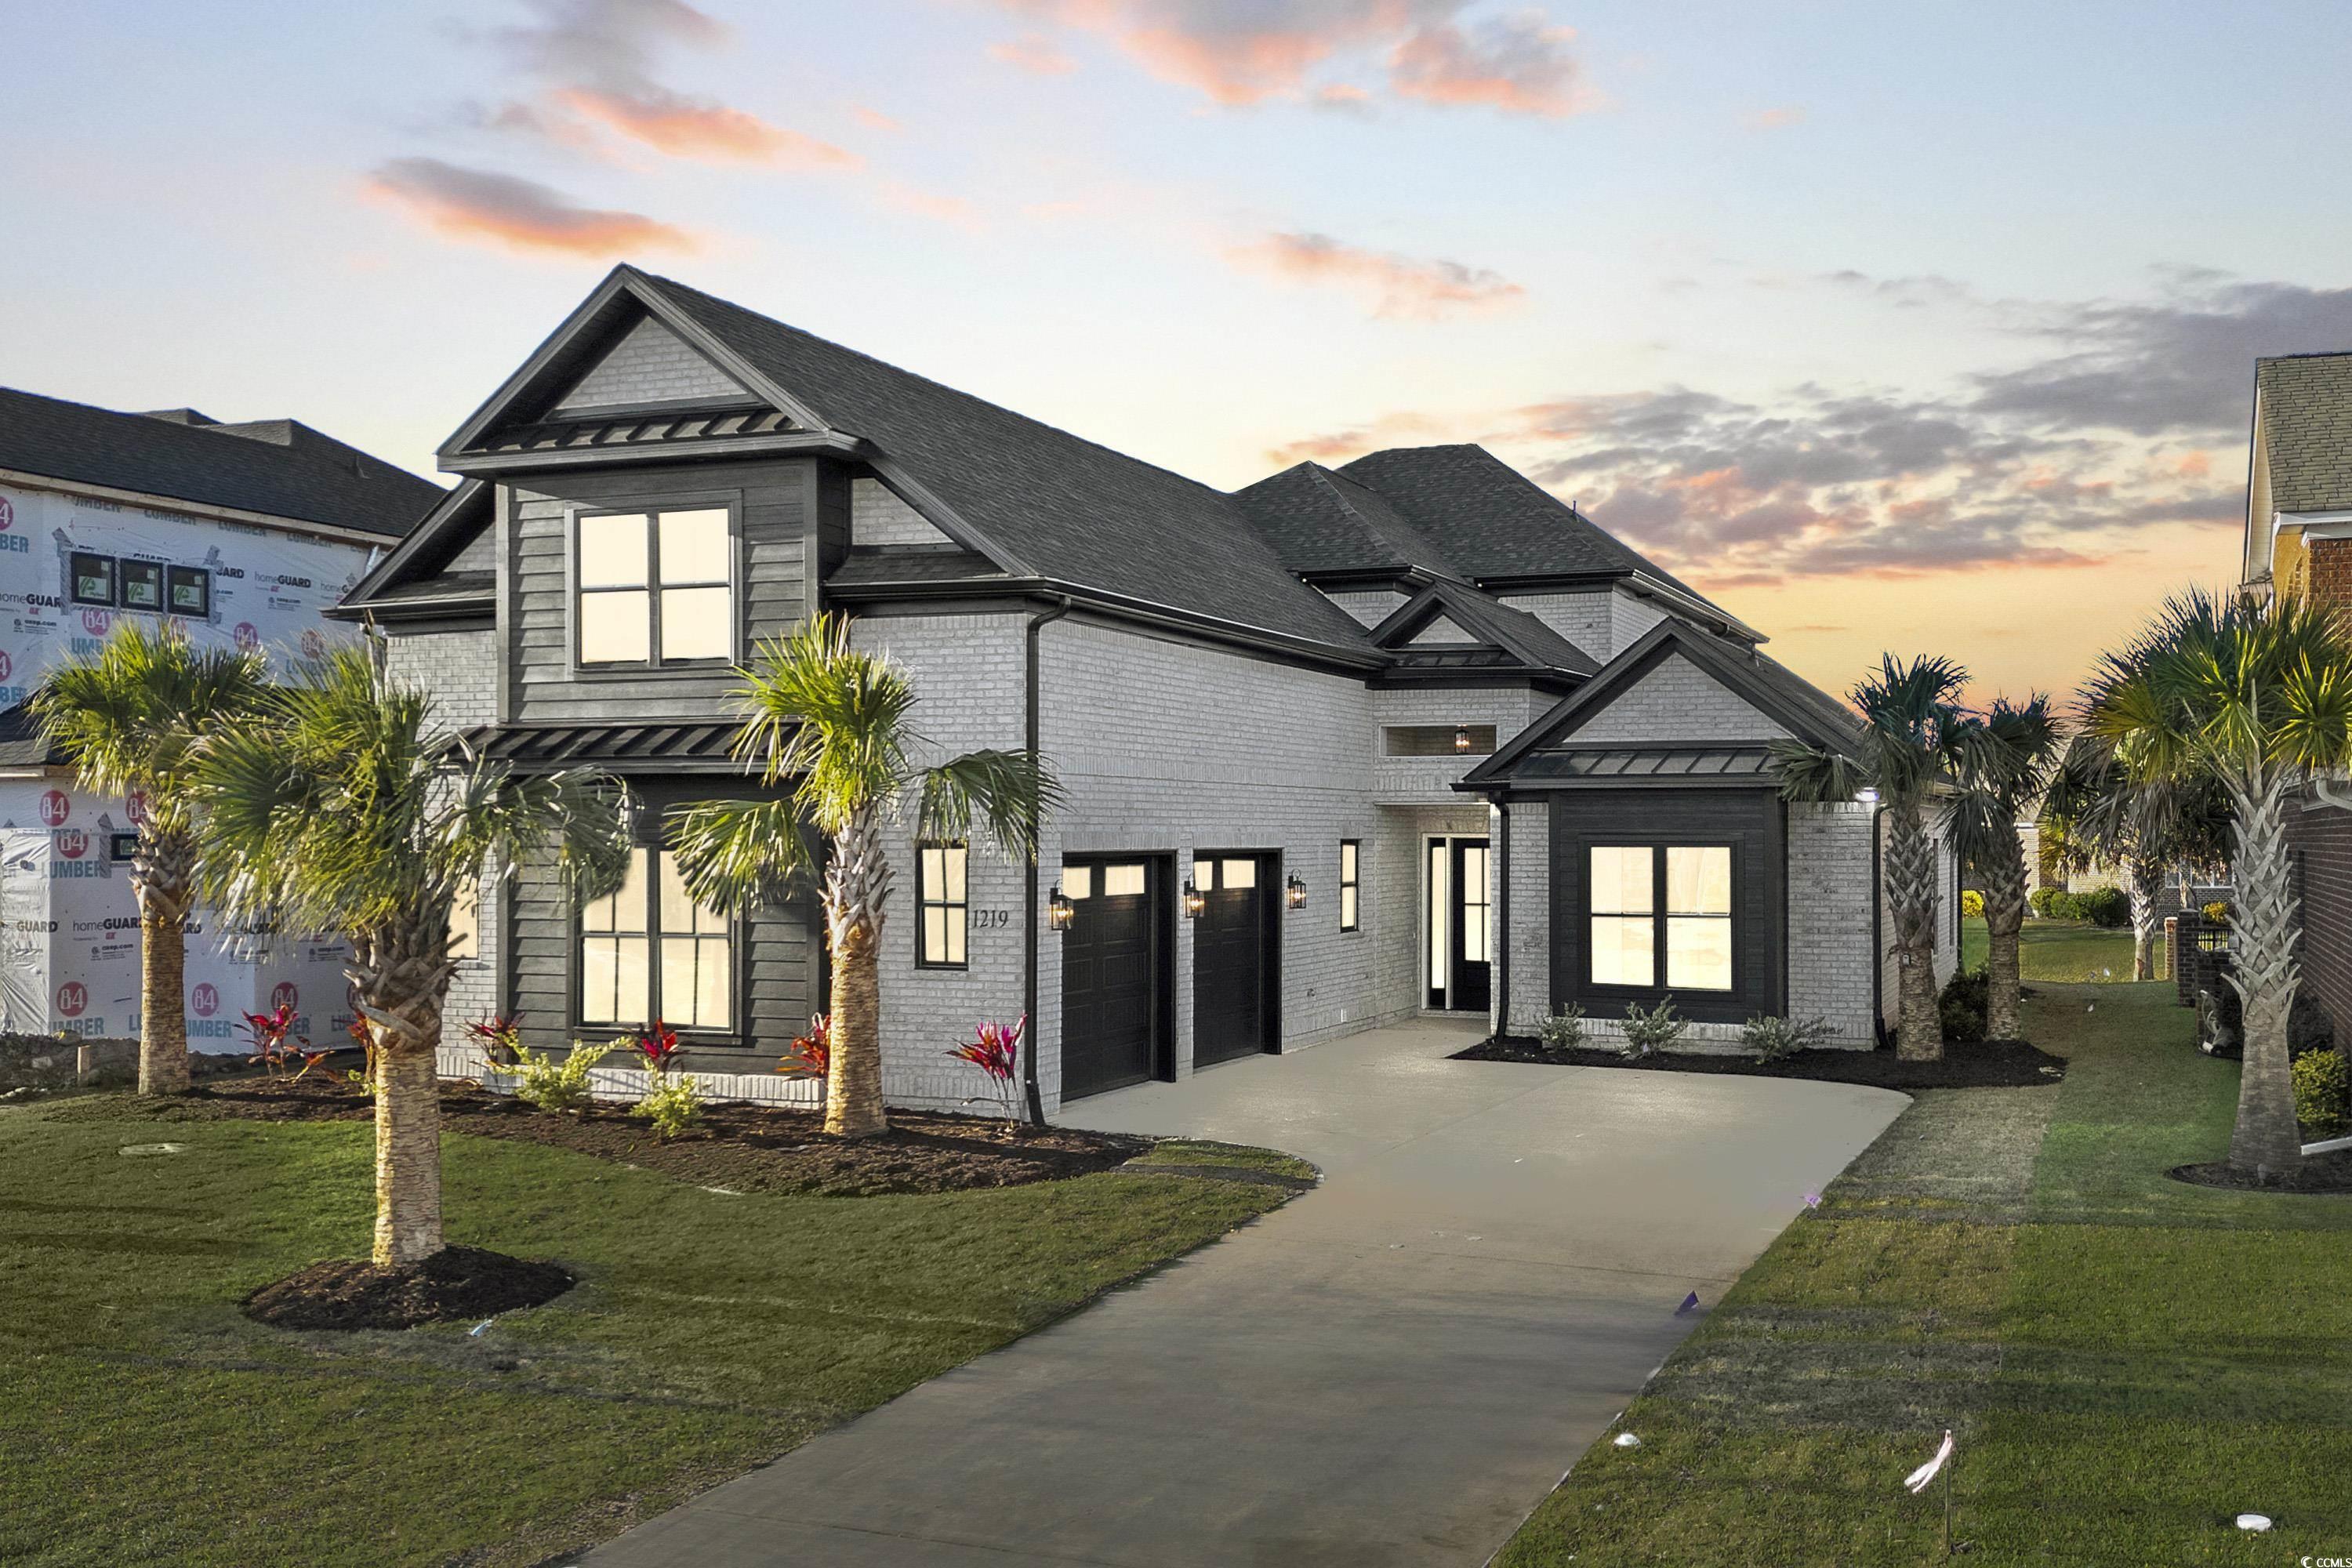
(2060, 950)
(2128, 1362)
(144, 1421)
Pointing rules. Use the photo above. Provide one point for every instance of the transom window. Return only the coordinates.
(655, 588)
(941, 891)
(1106, 881)
(648, 950)
(1350, 856)
(1660, 909)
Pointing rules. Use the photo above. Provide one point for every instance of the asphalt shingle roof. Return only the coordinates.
(276, 467)
(1061, 506)
(2306, 419)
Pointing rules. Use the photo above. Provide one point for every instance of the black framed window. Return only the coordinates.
(1659, 916)
(90, 578)
(654, 588)
(191, 590)
(121, 848)
(649, 950)
(1351, 888)
(141, 584)
(466, 924)
(941, 892)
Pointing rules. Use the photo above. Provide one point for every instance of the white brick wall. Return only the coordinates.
(461, 670)
(651, 365)
(1585, 620)
(1429, 780)
(1530, 941)
(877, 516)
(1371, 606)
(1678, 701)
(1629, 616)
(1831, 934)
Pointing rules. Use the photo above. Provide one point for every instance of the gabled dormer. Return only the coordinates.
(1450, 634)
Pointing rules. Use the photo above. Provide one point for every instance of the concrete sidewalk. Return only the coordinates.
(1391, 1370)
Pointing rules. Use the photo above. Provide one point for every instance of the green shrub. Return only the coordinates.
(2045, 902)
(1651, 1032)
(2218, 913)
(1564, 1030)
(550, 1085)
(1971, 904)
(1774, 1038)
(2106, 908)
(2323, 1092)
(1962, 1004)
(675, 1103)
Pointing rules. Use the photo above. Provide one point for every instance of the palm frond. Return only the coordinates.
(741, 854)
(1004, 794)
(1814, 774)
(130, 716)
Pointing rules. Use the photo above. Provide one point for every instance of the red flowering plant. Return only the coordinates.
(658, 1045)
(812, 1054)
(995, 1050)
(276, 1045)
(497, 1034)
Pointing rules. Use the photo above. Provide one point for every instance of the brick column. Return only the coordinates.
(2330, 576)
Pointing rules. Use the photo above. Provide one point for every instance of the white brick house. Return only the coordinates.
(1338, 749)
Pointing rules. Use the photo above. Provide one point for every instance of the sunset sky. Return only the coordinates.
(1928, 328)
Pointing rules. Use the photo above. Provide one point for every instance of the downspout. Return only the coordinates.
(1877, 924)
(1029, 977)
(1503, 936)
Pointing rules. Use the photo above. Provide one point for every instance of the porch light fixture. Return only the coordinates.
(1865, 796)
(1461, 737)
(1194, 902)
(1295, 889)
(1059, 911)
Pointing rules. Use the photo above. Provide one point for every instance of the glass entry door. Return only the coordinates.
(1457, 948)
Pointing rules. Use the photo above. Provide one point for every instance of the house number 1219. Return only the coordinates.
(984, 919)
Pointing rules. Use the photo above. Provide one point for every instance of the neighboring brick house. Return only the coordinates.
(2299, 542)
(242, 535)
(1261, 707)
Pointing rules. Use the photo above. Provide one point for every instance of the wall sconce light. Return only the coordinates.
(1865, 796)
(1295, 889)
(1461, 737)
(1194, 902)
(1059, 911)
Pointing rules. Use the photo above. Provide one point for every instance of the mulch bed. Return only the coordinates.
(2318, 1174)
(743, 1148)
(1989, 1064)
(456, 1282)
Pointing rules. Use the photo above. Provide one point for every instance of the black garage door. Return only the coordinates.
(1232, 957)
(1114, 975)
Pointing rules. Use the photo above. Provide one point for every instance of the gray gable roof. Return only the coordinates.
(1487, 618)
(1319, 521)
(1052, 504)
(275, 466)
(2307, 430)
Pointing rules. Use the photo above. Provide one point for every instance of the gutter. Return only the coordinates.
(1877, 924)
(1502, 943)
(1029, 959)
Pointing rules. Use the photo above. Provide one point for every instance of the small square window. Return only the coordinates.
(121, 847)
(191, 592)
(1078, 883)
(1122, 882)
(142, 585)
(91, 578)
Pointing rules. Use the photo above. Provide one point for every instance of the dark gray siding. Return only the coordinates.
(776, 523)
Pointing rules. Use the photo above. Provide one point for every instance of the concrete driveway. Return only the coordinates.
(1391, 1370)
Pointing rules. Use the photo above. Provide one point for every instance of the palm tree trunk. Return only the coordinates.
(2003, 876)
(1911, 903)
(2142, 878)
(401, 980)
(2263, 968)
(160, 874)
(857, 886)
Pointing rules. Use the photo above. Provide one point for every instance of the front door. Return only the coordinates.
(1113, 959)
(1458, 934)
(1232, 943)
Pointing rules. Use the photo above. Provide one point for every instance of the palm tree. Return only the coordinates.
(826, 724)
(1998, 777)
(1913, 733)
(2095, 813)
(342, 804)
(130, 718)
(2255, 696)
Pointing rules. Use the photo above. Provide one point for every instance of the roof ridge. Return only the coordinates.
(928, 380)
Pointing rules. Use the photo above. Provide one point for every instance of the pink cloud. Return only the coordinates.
(481, 206)
(1775, 118)
(1033, 53)
(873, 119)
(1395, 286)
(953, 211)
(689, 127)
(1517, 65)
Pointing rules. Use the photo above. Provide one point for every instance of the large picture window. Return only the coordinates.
(655, 587)
(649, 950)
(1660, 916)
(940, 891)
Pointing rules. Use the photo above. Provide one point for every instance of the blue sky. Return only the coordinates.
(1920, 327)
